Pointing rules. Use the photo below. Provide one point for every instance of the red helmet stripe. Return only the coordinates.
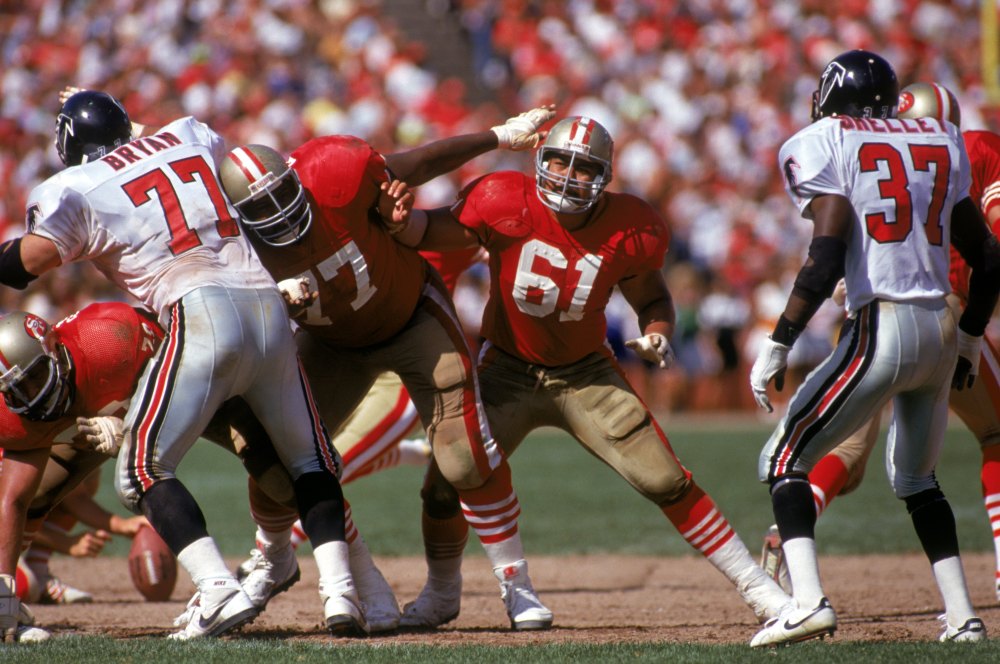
(248, 162)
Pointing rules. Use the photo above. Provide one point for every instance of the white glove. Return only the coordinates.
(653, 348)
(771, 363)
(521, 132)
(103, 433)
(970, 349)
(10, 609)
(297, 295)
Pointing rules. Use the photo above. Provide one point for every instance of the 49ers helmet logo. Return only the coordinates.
(35, 326)
(906, 101)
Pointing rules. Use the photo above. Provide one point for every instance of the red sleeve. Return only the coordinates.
(984, 155)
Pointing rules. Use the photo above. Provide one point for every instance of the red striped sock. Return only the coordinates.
(699, 521)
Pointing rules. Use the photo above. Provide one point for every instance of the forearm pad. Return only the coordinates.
(984, 287)
(820, 274)
(12, 272)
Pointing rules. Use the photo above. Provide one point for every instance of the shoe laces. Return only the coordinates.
(193, 606)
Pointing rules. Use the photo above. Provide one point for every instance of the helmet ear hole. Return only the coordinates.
(89, 125)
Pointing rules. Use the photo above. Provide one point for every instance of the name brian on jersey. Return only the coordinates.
(148, 146)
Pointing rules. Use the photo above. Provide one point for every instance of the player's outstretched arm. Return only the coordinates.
(427, 162)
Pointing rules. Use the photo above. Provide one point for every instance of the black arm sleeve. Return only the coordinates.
(814, 283)
(981, 250)
(12, 272)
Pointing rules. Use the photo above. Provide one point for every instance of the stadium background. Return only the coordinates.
(698, 94)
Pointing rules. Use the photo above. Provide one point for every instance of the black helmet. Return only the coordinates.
(90, 124)
(857, 83)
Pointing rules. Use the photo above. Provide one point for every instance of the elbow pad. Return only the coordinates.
(12, 272)
(819, 276)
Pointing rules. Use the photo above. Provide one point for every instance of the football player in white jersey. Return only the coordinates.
(151, 216)
(886, 197)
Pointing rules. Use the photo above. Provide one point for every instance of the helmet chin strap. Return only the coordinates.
(562, 204)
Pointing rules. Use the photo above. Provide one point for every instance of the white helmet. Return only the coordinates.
(34, 380)
(929, 100)
(267, 194)
(574, 138)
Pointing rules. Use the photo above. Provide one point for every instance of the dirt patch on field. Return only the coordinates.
(596, 599)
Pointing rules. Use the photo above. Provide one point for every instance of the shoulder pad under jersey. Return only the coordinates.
(334, 168)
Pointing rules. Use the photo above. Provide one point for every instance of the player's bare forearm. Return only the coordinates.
(427, 162)
(649, 297)
(22, 473)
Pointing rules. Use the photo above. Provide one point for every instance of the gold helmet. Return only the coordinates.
(929, 100)
(34, 379)
(574, 138)
(267, 193)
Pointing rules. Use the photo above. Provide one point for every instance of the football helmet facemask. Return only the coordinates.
(90, 125)
(35, 380)
(267, 193)
(575, 139)
(859, 84)
(929, 100)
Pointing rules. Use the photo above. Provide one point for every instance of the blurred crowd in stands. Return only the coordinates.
(698, 94)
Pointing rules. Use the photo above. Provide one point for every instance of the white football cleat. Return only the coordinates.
(972, 629)
(221, 607)
(525, 610)
(437, 604)
(344, 616)
(772, 559)
(266, 575)
(795, 624)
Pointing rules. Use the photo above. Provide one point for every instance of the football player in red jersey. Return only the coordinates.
(380, 307)
(558, 245)
(841, 471)
(83, 366)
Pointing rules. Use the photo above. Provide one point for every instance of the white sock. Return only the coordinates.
(333, 563)
(756, 588)
(800, 553)
(202, 560)
(444, 571)
(951, 582)
(506, 552)
(273, 541)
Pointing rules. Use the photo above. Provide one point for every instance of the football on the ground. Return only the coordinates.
(152, 566)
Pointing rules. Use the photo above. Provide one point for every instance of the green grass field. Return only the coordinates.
(574, 504)
(571, 504)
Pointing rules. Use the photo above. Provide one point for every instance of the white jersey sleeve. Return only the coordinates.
(902, 177)
(151, 216)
